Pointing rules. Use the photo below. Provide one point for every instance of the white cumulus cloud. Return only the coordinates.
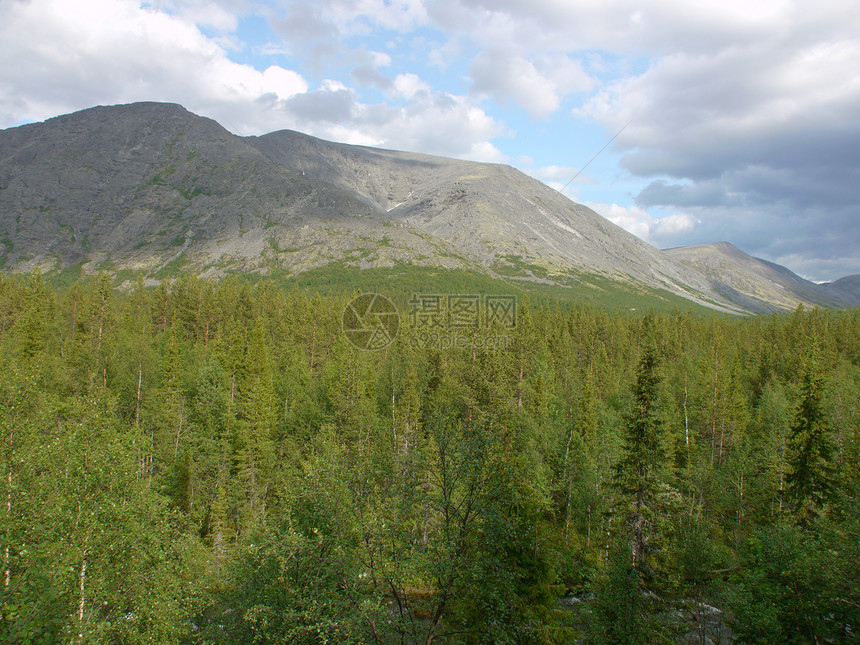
(69, 56)
(667, 231)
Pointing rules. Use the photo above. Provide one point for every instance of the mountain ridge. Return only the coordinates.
(846, 288)
(144, 187)
(759, 285)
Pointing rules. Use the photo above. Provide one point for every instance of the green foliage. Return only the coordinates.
(641, 467)
(809, 462)
(622, 612)
(174, 267)
(785, 596)
(403, 279)
(216, 463)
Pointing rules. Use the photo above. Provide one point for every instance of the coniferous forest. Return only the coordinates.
(216, 463)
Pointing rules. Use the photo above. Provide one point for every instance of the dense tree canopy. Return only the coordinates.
(215, 463)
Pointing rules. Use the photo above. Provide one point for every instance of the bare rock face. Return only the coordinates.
(491, 214)
(140, 186)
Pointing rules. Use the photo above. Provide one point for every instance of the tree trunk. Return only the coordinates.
(313, 346)
(686, 420)
(7, 574)
(82, 576)
(178, 434)
(139, 382)
(569, 482)
(714, 406)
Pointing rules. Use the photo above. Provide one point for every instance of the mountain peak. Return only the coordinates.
(146, 186)
(124, 112)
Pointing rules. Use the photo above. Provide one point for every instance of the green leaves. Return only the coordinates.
(809, 474)
(785, 596)
(215, 463)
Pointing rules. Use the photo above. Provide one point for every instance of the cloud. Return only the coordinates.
(633, 220)
(511, 72)
(324, 25)
(355, 16)
(408, 85)
(628, 27)
(327, 105)
(561, 173)
(70, 56)
(660, 231)
(380, 59)
(366, 72)
(303, 21)
(437, 123)
(758, 138)
(557, 177)
(220, 16)
(514, 78)
(369, 76)
(768, 234)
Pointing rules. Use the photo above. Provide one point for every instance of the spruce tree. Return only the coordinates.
(809, 468)
(638, 471)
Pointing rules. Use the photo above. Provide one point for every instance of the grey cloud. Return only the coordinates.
(700, 150)
(761, 144)
(818, 243)
(322, 105)
(303, 21)
(369, 76)
(825, 186)
(809, 220)
(662, 193)
(627, 27)
(378, 116)
(510, 78)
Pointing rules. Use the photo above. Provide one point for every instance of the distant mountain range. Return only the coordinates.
(147, 187)
(759, 285)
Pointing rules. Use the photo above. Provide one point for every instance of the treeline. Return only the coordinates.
(215, 463)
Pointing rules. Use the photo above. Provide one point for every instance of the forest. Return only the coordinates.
(215, 462)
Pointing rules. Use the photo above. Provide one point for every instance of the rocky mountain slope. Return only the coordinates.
(759, 285)
(138, 186)
(494, 215)
(149, 187)
(846, 289)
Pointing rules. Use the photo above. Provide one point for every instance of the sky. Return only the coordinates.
(735, 120)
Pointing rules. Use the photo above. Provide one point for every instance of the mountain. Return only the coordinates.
(138, 186)
(846, 289)
(152, 188)
(761, 286)
(493, 215)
